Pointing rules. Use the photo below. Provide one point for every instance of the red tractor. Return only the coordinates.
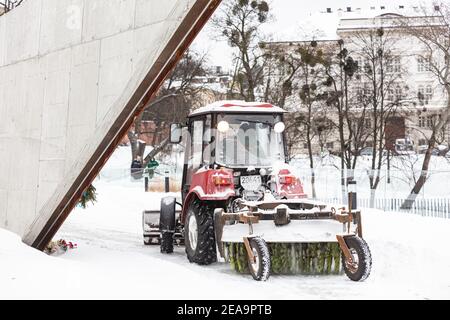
(236, 174)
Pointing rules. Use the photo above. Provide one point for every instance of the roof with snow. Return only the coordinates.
(233, 106)
(325, 24)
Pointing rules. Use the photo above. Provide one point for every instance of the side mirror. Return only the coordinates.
(175, 133)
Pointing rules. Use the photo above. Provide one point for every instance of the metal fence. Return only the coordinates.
(427, 207)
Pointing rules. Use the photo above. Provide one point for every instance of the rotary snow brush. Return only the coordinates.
(295, 236)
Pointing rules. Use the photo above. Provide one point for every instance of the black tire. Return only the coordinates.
(360, 270)
(166, 242)
(260, 269)
(200, 224)
(167, 223)
(147, 241)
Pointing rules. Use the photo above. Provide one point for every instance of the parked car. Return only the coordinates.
(404, 146)
(367, 151)
(422, 148)
(435, 152)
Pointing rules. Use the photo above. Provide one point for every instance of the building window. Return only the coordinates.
(421, 122)
(305, 146)
(360, 64)
(393, 65)
(398, 93)
(369, 144)
(425, 94)
(368, 123)
(429, 121)
(422, 142)
(421, 93)
(390, 95)
(423, 64)
(367, 90)
(428, 93)
(359, 95)
(330, 145)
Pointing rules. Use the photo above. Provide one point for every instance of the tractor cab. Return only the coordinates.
(236, 176)
(233, 149)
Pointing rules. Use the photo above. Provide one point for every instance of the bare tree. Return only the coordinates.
(238, 22)
(377, 48)
(351, 125)
(433, 33)
(172, 104)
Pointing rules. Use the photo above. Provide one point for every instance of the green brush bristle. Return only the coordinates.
(292, 258)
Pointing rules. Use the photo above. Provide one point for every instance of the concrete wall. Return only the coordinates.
(67, 68)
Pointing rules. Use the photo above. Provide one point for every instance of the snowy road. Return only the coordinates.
(411, 260)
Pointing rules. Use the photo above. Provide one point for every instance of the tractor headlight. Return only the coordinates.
(223, 126)
(279, 127)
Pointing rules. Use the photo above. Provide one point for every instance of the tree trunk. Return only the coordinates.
(155, 152)
(372, 197)
(408, 203)
(311, 161)
(134, 144)
(134, 137)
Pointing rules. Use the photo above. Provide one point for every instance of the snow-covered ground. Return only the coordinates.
(410, 253)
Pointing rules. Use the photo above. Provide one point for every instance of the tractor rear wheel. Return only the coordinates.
(260, 267)
(359, 270)
(199, 234)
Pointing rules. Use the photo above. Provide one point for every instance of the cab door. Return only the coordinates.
(198, 140)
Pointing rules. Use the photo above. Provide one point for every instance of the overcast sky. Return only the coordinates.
(290, 16)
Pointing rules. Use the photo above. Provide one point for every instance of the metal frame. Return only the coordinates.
(253, 212)
(152, 231)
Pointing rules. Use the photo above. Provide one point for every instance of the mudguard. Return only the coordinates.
(203, 188)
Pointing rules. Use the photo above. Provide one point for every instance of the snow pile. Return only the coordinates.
(26, 273)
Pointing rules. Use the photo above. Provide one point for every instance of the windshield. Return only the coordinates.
(249, 141)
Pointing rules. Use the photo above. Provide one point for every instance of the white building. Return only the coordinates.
(414, 88)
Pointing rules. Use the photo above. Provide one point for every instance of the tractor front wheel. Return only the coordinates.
(199, 234)
(359, 269)
(167, 224)
(260, 267)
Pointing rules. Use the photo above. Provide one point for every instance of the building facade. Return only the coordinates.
(411, 90)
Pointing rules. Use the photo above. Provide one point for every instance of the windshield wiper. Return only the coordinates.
(255, 121)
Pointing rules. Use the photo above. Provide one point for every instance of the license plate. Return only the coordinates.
(251, 182)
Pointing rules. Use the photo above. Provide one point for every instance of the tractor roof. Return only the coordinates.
(234, 106)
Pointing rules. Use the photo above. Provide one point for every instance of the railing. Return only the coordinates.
(8, 5)
(392, 190)
(427, 207)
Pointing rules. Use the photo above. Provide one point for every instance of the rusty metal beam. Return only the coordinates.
(172, 53)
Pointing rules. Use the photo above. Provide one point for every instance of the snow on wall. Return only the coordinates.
(67, 68)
